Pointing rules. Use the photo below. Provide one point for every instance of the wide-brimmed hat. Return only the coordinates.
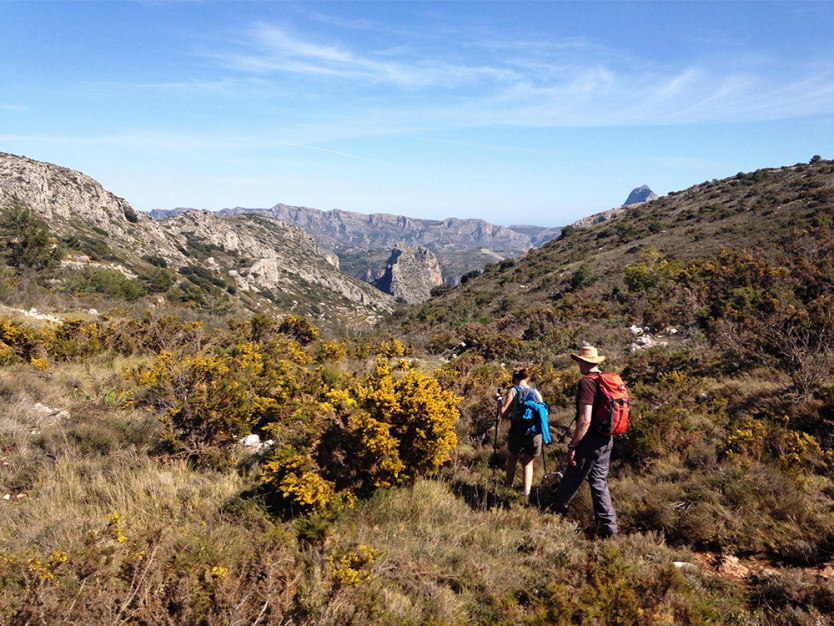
(588, 354)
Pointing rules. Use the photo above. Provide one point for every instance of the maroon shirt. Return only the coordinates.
(587, 391)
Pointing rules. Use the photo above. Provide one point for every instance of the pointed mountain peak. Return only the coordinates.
(640, 194)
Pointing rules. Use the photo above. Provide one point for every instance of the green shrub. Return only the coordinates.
(567, 231)
(26, 242)
(107, 282)
(469, 276)
(154, 260)
(439, 290)
(156, 280)
(583, 277)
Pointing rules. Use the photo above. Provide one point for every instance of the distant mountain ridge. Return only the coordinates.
(460, 245)
(382, 230)
(539, 235)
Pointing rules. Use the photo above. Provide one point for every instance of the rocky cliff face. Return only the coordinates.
(640, 194)
(254, 259)
(410, 274)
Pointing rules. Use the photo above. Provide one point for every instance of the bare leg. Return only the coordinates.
(512, 461)
(527, 463)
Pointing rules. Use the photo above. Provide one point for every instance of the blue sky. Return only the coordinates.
(536, 113)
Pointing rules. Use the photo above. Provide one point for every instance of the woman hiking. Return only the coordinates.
(522, 441)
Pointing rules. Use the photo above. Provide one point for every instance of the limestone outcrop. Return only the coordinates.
(73, 203)
(270, 255)
(410, 274)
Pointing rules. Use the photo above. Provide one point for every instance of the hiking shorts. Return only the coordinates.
(530, 445)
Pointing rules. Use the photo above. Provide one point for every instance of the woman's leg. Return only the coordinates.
(527, 462)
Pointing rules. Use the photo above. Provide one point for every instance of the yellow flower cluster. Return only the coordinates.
(46, 571)
(332, 351)
(392, 348)
(348, 568)
(795, 452)
(799, 451)
(377, 452)
(292, 475)
(407, 425)
(114, 526)
(748, 438)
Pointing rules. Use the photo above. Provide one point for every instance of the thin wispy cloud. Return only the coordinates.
(530, 83)
(277, 50)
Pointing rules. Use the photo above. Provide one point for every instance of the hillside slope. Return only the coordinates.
(266, 256)
(717, 306)
(254, 262)
(753, 211)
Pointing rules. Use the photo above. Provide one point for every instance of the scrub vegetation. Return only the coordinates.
(133, 499)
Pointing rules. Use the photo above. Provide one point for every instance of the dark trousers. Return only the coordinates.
(593, 459)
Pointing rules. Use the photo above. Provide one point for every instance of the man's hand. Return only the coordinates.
(571, 454)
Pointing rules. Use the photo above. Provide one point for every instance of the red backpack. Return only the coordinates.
(611, 414)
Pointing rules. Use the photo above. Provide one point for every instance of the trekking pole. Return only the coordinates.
(567, 430)
(498, 401)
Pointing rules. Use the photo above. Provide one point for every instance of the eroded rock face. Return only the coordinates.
(411, 273)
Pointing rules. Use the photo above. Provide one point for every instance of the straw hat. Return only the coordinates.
(588, 354)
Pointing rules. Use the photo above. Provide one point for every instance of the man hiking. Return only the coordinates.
(523, 440)
(589, 452)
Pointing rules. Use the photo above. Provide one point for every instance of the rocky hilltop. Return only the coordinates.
(410, 274)
(250, 261)
(638, 197)
(74, 204)
(640, 194)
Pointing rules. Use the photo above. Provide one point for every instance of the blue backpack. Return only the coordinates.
(530, 415)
